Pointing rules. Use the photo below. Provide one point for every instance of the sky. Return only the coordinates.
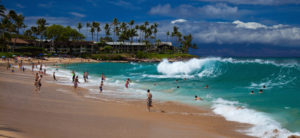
(255, 28)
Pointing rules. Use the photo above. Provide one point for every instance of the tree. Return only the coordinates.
(88, 25)
(19, 20)
(116, 28)
(96, 25)
(92, 31)
(2, 11)
(79, 26)
(41, 28)
(168, 34)
(107, 30)
(187, 43)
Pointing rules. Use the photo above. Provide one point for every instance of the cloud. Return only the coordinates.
(178, 21)
(46, 5)
(237, 32)
(124, 4)
(77, 14)
(219, 10)
(257, 2)
(20, 5)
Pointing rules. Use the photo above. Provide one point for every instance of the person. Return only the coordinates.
(264, 86)
(73, 78)
(197, 98)
(206, 86)
(45, 71)
(87, 75)
(84, 77)
(41, 67)
(178, 87)
(13, 69)
(100, 87)
(260, 91)
(54, 76)
(36, 81)
(76, 81)
(149, 100)
(102, 76)
(252, 92)
(127, 83)
(23, 69)
(101, 83)
(39, 83)
(32, 67)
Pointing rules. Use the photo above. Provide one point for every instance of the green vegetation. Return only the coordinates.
(12, 22)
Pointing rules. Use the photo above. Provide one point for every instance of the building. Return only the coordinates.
(133, 47)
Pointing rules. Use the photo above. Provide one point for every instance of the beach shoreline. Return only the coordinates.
(188, 120)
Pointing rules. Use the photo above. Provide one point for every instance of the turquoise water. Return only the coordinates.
(230, 81)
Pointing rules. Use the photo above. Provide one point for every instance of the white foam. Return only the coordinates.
(263, 125)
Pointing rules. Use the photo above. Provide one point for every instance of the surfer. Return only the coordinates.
(127, 82)
(198, 98)
(149, 100)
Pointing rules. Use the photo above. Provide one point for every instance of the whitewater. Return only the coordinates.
(274, 113)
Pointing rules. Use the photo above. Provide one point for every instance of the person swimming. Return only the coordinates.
(206, 87)
(178, 87)
(252, 92)
(260, 91)
(197, 98)
(264, 86)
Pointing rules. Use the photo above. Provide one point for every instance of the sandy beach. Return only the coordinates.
(61, 111)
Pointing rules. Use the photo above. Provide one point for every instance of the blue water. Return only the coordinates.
(230, 81)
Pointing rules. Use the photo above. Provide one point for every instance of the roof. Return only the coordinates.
(136, 43)
(18, 41)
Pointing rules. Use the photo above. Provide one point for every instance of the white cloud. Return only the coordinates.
(20, 5)
(219, 10)
(31, 20)
(46, 5)
(257, 2)
(178, 21)
(230, 33)
(77, 14)
(124, 4)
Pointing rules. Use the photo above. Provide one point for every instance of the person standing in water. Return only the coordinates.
(73, 76)
(39, 83)
(102, 77)
(84, 77)
(87, 75)
(54, 76)
(76, 81)
(101, 86)
(149, 100)
(127, 83)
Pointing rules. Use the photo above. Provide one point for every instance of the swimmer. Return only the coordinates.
(178, 87)
(252, 92)
(198, 98)
(264, 86)
(100, 87)
(260, 91)
(84, 76)
(87, 75)
(206, 87)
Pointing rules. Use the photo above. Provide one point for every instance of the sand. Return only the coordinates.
(67, 113)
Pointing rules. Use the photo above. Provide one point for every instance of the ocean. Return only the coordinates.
(273, 113)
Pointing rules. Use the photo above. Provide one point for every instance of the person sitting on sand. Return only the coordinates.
(127, 83)
(260, 91)
(197, 98)
(54, 76)
(252, 92)
(149, 100)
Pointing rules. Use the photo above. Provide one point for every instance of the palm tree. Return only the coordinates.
(41, 28)
(92, 31)
(107, 30)
(168, 33)
(19, 24)
(116, 29)
(187, 43)
(79, 26)
(155, 25)
(98, 30)
(87, 26)
(2, 11)
(96, 25)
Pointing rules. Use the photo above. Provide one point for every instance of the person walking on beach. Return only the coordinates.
(54, 76)
(39, 83)
(36, 81)
(32, 67)
(127, 83)
(149, 100)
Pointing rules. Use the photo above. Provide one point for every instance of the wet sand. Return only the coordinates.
(61, 111)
